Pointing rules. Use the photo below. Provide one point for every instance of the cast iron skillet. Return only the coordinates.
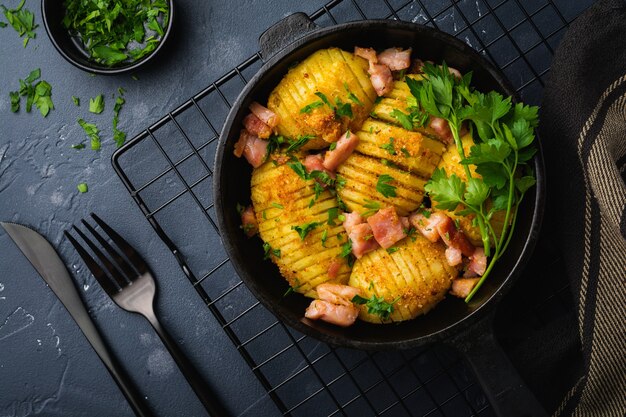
(292, 40)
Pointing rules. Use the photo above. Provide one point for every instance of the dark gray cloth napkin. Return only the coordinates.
(583, 131)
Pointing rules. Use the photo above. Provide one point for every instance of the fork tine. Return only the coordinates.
(128, 270)
(130, 252)
(105, 282)
(108, 265)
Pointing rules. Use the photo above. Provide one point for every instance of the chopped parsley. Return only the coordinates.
(351, 96)
(389, 147)
(403, 118)
(299, 142)
(269, 251)
(392, 249)
(309, 107)
(96, 104)
(76, 100)
(405, 152)
(92, 133)
(305, 229)
(39, 94)
(118, 136)
(324, 237)
(376, 305)
(278, 206)
(373, 207)
(333, 214)
(78, 146)
(82, 187)
(299, 169)
(117, 31)
(383, 186)
(22, 20)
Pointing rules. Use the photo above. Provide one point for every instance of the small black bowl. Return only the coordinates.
(53, 12)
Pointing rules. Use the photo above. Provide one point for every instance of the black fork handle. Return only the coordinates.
(211, 403)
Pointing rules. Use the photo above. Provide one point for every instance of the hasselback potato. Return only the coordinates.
(414, 278)
(340, 79)
(281, 201)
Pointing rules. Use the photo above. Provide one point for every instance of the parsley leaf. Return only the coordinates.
(389, 147)
(305, 229)
(351, 96)
(383, 186)
(299, 169)
(96, 104)
(82, 187)
(403, 118)
(39, 94)
(76, 100)
(118, 136)
(92, 132)
(22, 20)
(446, 191)
(333, 213)
(324, 237)
(309, 107)
(376, 305)
(269, 251)
(299, 142)
(373, 207)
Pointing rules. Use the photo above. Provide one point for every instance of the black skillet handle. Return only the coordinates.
(506, 391)
(283, 32)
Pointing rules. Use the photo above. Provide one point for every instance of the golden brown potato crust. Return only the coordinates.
(334, 73)
(281, 200)
(417, 275)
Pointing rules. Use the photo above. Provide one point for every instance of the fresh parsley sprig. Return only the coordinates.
(501, 153)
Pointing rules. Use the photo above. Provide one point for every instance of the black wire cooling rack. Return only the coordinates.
(167, 170)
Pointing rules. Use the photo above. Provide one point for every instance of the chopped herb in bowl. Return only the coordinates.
(116, 32)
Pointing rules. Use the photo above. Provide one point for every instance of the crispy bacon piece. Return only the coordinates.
(352, 219)
(248, 222)
(264, 114)
(256, 126)
(346, 144)
(366, 53)
(454, 256)
(427, 226)
(340, 315)
(333, 268)
(395, 58)
(337, 293)
(454, 237)
(314, 162)
(387, 227)
(381, 78)
(362, 238)
(461, 287)
(252, 148)
(478, 263)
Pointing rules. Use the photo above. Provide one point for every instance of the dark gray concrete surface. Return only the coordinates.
(46, 365)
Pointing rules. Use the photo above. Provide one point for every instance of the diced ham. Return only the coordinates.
(340, 315)
(264, 114)
(366, 53)
(362, 238)
(248, 222)
(255, 150)
(241, 143)
(455, 238)
(352, 219)
(345, 146)
(334, 267)
(454, 256)
(256, 126)
(337, 293)
(405, 223)
(381, 78)
(395, 58)
(427, 226)
(387, 227)
(416, 66)
(461, 287)
(314, 162)
(478, 262)
(441, 128)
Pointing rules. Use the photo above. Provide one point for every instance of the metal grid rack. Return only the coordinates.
(167, 170)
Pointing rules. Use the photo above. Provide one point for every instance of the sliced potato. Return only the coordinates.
(281, 201)
(412, 151)
(339, 76)
(416, 276)
(361, 174)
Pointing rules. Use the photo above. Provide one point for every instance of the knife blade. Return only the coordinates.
(51, 268)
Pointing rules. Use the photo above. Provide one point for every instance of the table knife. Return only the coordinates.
(46, 261)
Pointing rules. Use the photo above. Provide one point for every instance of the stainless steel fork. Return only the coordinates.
(128, 281)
